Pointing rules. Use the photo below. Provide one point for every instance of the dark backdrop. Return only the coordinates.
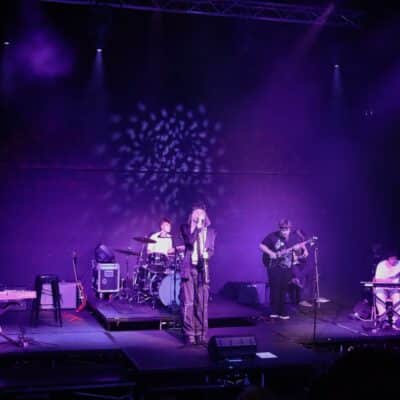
(96, 147)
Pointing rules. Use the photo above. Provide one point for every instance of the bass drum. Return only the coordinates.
(167, 289)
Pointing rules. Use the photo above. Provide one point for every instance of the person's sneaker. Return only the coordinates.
(305, 303)
(322, 300)
(284, 316)
(273, 315)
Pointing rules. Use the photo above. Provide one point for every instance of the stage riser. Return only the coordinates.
(117, 316)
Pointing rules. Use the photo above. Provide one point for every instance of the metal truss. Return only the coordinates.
(245, 9)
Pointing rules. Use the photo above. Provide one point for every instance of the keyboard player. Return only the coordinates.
(388, 271)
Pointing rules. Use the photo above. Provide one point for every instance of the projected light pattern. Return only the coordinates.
(164, 159)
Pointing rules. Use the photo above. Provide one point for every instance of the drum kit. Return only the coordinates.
(155, 278)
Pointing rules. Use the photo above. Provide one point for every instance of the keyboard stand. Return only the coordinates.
(21, 342)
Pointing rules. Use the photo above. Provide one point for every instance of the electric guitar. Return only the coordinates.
(281, 254)
(82, 298)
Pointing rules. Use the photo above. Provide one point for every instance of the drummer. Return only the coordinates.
(162, 239)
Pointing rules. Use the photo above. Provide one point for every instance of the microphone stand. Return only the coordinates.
(174, 304)
(316, 292)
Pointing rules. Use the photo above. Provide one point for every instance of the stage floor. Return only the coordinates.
(140, 358)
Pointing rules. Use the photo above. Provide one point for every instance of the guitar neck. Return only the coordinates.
(288, 250)
(297, 245)
(74, 266)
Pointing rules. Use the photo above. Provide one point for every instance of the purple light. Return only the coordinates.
(99, 50)
(337, 66)
(6, 43)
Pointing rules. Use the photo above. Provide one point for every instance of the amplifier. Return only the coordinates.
(67, 292)
(106, 277)
(254, 293)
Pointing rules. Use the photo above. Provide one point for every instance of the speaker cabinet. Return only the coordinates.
(249, 293)
(67, 292)
(106, 277)
(228, 347)
(253, 293)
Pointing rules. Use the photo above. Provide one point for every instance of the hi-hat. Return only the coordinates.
(143, 239)
(127, 252)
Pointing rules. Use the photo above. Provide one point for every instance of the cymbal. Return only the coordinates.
(143, 239)
(127, 252)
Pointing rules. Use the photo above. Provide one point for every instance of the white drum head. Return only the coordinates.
(168, 291)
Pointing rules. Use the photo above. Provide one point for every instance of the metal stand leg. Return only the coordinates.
(9, 339)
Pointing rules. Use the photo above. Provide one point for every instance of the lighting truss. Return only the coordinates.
(245, 9)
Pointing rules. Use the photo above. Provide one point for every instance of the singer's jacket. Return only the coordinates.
(189, 239)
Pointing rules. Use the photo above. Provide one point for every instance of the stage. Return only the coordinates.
(83, 356)
(122, 315)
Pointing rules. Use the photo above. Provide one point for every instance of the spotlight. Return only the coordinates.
(337, 66)
(99, 50)
(6, 43)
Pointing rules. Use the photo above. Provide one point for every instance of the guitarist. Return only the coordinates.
(279, 250)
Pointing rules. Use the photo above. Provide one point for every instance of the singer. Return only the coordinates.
(199, 241)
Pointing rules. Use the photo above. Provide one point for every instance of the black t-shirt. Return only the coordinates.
(275, 242)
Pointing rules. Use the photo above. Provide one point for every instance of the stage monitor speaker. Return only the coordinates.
(232, 347)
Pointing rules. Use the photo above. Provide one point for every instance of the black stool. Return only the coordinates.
(55, 293)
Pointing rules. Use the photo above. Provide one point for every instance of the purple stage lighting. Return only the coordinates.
(336, 66)
(6, 43)
(99, 50)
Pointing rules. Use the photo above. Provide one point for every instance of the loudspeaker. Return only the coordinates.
(231, 290)
(250, 293)
(225, 347)
(67, 293)
(106, 278)
(253, 293)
